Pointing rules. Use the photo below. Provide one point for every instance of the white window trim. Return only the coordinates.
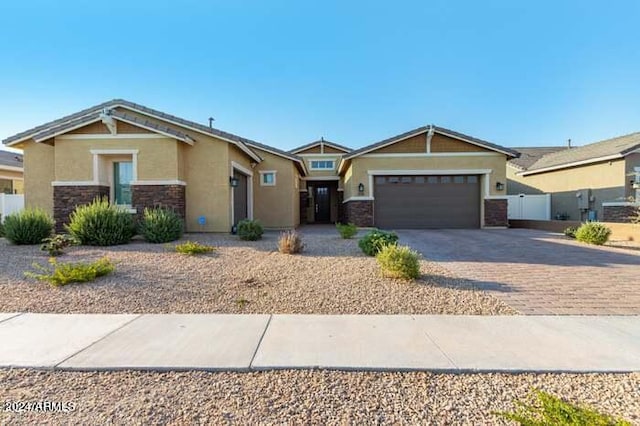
(333, 165)
(266, 172)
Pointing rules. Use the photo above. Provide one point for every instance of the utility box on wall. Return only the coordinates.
(584, 197)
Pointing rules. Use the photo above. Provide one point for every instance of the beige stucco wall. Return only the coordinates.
(631, 162)
(605, 179)
(358, 171)
(157, 157)
(277, 207)
(39, 173)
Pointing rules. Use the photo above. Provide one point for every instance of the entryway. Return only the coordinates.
(240, 197)
(323, 202)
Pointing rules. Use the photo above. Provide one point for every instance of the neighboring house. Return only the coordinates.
(139, 157)
(592, 181)
(11, 173)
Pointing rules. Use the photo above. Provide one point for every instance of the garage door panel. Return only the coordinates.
(427, 202)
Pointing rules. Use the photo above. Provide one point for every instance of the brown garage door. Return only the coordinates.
(427, 202)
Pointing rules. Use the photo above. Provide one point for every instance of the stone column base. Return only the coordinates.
(619, 214)
(359, 212)
(495, 213)
(168, 196)
(66, 198)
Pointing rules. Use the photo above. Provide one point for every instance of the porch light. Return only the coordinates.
(361, 187)
(234, 181)
(499, 186)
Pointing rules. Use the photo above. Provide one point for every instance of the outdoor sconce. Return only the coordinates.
(233, 181)
(360, 187)
(499, 186)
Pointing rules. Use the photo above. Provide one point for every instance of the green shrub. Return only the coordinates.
(65, 273)
(29, 226)
(192, 247)
(101, 224)
(161, 225)
(1, 228)
(399, 262)
(544, 409)
(593, 233)
(290, 242)
(56, 244)
(570, 231)
(250, 230)
(374, 240)
(347, 231)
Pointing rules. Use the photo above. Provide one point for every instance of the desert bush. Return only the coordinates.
(161, 225)
(250, 230)
(65, 273)
(290, 242)
(593, 233)
(29, 226)
(542, 409)
(56, 244)
(570, 231)
(374, 240)
(399, 262)
(346, 231)
(101, 224)
(193, 247)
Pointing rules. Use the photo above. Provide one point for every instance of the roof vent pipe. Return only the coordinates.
(211, 120)
(568, 143)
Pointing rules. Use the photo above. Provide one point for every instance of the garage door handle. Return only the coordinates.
(316, 208)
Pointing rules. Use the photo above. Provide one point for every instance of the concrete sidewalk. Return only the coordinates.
(345, 342)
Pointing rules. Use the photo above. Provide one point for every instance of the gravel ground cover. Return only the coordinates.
(302, 397)
(332, 276)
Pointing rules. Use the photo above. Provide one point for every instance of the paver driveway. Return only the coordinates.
(537, 272)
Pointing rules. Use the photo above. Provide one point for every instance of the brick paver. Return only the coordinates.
(537, 272)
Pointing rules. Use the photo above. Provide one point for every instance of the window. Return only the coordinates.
(122, 177)
(321, 164)
(445, 179)
(458, 179)
(432, 179)
(268, 178)
(472, 179)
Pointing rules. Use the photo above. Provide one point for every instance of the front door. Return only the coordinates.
(322, 199)
(239, 198)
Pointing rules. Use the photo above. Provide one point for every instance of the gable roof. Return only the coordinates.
(437, 129)
(318, 142)
(92, 113)
(529, 155)
(608, 149)
(10, 159)
(281, 153)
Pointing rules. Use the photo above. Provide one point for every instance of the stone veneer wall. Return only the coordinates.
(359, 212)
(66, 198)
(169, 196)
(495, 213)
(341, 212)
(619, 214)
(304, 203)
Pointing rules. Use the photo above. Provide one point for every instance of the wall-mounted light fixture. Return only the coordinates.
(361, 187)
(499, 186)
(233, 181)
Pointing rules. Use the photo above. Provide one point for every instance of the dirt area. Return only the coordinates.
(332, 276)
(302, 397)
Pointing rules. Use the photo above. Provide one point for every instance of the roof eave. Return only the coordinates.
(573, 164)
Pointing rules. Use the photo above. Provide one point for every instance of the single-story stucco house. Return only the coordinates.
(11, 173)
(139, 157)
(594, 181)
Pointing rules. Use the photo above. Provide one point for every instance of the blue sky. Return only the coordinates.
(287, 72)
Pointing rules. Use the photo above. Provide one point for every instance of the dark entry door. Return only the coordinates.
(322, 199)
(239, 198)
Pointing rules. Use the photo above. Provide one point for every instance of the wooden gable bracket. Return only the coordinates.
(108, 121)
